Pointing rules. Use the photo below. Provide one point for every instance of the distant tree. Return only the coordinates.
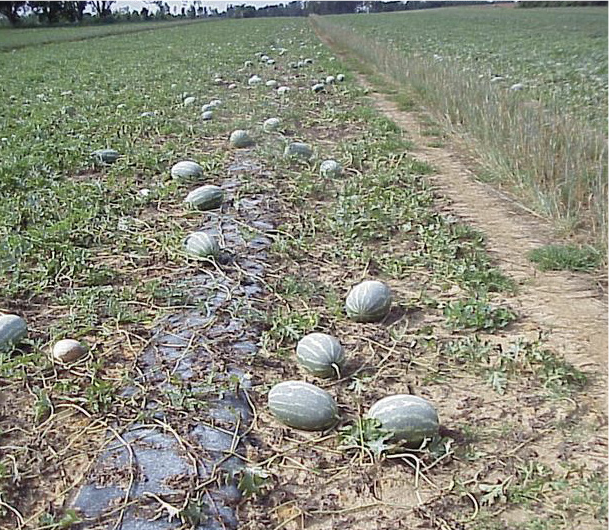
(47, 12)
(103, 9)
(75, 11)
(11, 11)
(333, 8)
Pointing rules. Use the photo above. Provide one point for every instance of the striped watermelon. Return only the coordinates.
(303, 406)
(330, 168)
(298, 149)
(411, 418)
(369, 301)
(320, 354)
(12, 329)
(106, 156)
(206, 197)
(240, 138)
(272, 124)
(186, 169)
(202, 245)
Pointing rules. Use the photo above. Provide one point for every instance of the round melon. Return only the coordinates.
(189, 101)
(410, 418)
(186, 169)
(206, 197)
(106, 156)
(303, 406)
(207, 107)
(318, 87)
(68, 350)
(12, 330)
(207, 115)
(330, 80)
(254, 80)
(340, 78)
(202, 245)
(369, 301)
(240, 138)
(282, 90)
(330, 168)
(320, 354)
(298, 149)
(215, 103)
(272, 124)
(271, 83)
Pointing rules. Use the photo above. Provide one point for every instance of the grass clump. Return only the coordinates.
(566, 258)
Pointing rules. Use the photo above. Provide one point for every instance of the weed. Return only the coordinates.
(522, 357)
(252, 480)
(365, 435)
(477, 314)
(566, 257)
(286, 326)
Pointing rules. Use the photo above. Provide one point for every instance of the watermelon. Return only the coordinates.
(186, 169)
(330, 168)
(12, 330)
(272, 124)
(411, 419)
(320, 354)
(206, 197)
(202, 245)
(369, 301)
(106, 156)
(68, 350)
(240, 138)
(302, 406)
(298, 149)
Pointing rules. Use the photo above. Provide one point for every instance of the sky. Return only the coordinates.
(220, 6)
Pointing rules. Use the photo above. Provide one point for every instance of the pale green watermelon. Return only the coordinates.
(303, 406)
(411, 419)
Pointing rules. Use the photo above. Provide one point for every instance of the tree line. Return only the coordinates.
(529, 4)
(28, 13)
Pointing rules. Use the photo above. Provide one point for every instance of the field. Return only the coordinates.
(526, 90)
(164, 422)
(558, 55)
(11, 39)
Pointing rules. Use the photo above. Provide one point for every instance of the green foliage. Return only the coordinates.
(477, 314)
(524, 358)
(52, 522)
(367, 435)
(252, 481)
(566, 257)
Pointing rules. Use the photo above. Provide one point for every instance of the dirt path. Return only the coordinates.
(568, 305)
